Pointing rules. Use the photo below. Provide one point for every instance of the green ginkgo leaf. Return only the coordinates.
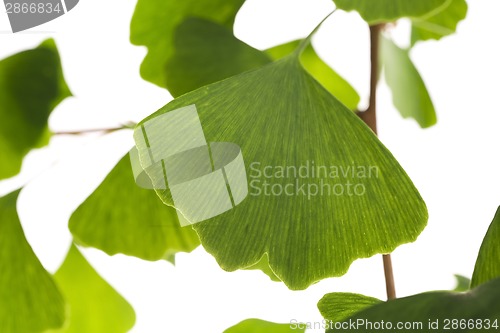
(31, 86)
(337, 307)
(378, 11)
(284, 121)
(443, 23)
(409, 93)
(325, 75)
(120, 217)
(261, 326)
(488, 261)
(439, 311)
(94, 305)
(206, 52)
(29, 298)
(154, 23)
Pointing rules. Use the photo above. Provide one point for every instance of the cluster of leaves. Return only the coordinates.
(286, 99)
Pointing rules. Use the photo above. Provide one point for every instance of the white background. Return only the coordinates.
(455, 164)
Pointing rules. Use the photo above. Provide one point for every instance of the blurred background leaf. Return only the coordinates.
(31, 86)
(439, 25)
(488, 261)
(378, 11)
(154, 22)
(409, 93)
(30, 301)
(324, 74)
(121, 217)
(261, 326)
(94, 306)
(205, 52)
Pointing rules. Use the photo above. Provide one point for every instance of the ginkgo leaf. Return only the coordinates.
(261, 326)
(94, 305)
(443, 23)
(154, 22)
(378, 11)
(325, 75)
(206, 52)
(29, 298)
(439, 311)
(31, 86)
(337, 307)
(409, 93)
(488, 260)
(120, 217)
(281, 120)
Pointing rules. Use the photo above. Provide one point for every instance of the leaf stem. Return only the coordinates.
(370, 118)
(306, 41)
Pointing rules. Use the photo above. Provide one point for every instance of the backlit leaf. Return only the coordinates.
(318, 69)
(154, 23)
(377, 11)
(441, 24)
(120, 217)
(281, 117)
(94, 305)
(29, 298)
(472, 311)
(261, 326)
(409, 93)
(31, 86)
(488, 261)
(337, 307)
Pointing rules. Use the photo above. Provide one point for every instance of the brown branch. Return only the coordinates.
(370, 118)
(129, 125)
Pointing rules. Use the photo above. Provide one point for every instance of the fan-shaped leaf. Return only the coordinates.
(120, 217)
(29, 298)
(337, 307)
(439, 311)
(378, 11)
(261, 326)
(441, 24)
(488, 261)
(31, 86)
(285, 121)
(154, 23)
(409, 93)
(94, 305)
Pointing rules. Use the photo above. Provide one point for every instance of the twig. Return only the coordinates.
(370, 118)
